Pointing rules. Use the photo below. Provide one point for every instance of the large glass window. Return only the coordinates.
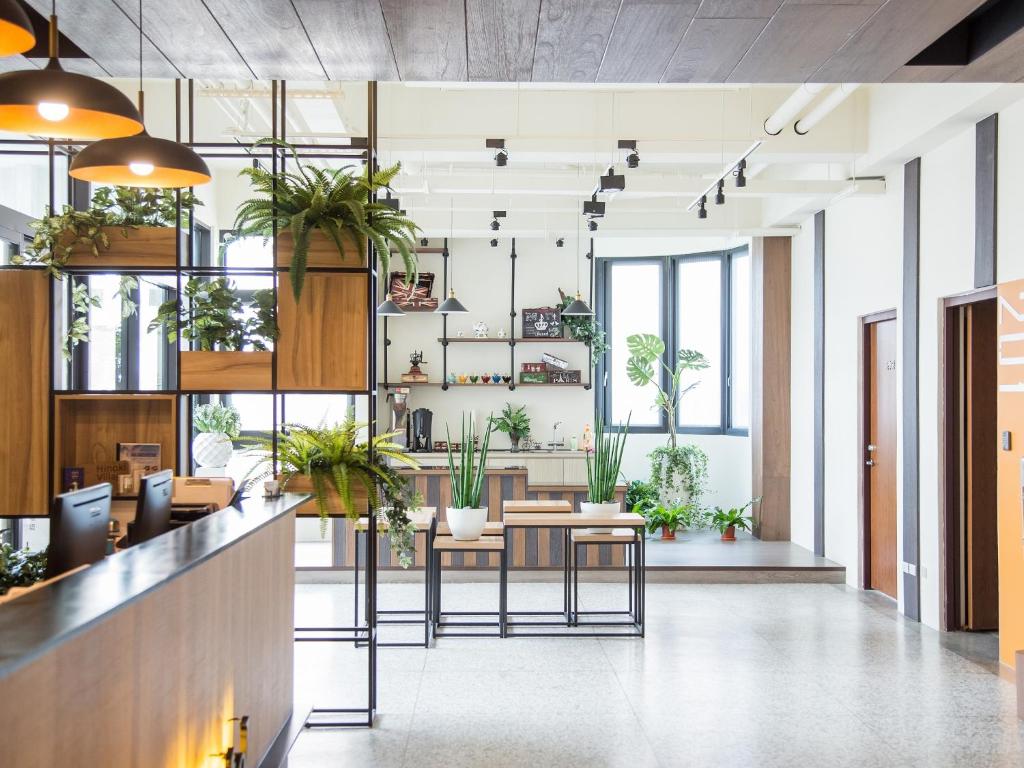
(708, 311)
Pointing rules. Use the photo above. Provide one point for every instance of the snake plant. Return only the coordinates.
(468, 479)
(603, 464)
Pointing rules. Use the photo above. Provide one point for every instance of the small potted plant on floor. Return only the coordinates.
(514, 422)
(603, 471)
(641, 496)
(669, 519)
(216, 426)
(466, 518)
(728, 520)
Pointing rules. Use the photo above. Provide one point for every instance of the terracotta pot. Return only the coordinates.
(729, 534)
(667, 534)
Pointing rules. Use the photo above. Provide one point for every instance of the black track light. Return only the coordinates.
(494, 242)
(390, 202)
(720, 194)
(501, 157)
(741, 180)
(632, 159)
(495, 225)
(612, 182)
(424, 242)
(592, 225)
(702, 211)
(559, 242)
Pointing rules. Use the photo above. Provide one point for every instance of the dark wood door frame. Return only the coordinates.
(863, 427)
(949, 482)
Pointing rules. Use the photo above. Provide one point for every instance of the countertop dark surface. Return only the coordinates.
(37, 622)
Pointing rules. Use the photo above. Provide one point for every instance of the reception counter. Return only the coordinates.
(153, 655)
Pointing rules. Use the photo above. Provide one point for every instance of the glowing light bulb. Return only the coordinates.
(52, 111)
(140, 168)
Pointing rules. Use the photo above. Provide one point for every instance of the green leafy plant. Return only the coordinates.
(19, 567)
(214, 317)
(683, 467)
(646, 363)
(336, 202)
(514, 422)
(143, 207)
(217, 417)
(585, 329)
(640, 496)
(399, 497)
(467, 478)
(78, 329)
(723, 519)
(671, 517)
(604, 463)
(336, 461)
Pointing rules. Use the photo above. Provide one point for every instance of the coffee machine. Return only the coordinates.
(421, 422)
(399, 401)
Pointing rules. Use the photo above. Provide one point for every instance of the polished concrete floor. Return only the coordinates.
(756, 675)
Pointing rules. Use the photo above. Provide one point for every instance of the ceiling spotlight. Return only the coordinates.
(612, 182)
(495, 225)
(633, 158)
(592, 225)
(559, 242)
(501, 157)
(494, 242)
(424, 242)
(593, 207)
(741, 180)
(720, 194)
(702, 212)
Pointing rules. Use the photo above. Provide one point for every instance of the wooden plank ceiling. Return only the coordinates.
(607, 41)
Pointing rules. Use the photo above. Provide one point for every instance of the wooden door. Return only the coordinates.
(981, 574)
(880, 457)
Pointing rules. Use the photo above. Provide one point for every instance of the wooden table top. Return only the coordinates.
(572, 520)
(420, 518)
(483, 544)
(491, 528)
(536, 505)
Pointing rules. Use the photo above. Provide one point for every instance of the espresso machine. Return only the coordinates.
(421, 421)
(398, 399)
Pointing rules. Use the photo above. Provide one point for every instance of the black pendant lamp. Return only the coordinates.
(578, 307)
(388, 308)
(141, 160)
(56, 104)
(16, 34)
(451, 305)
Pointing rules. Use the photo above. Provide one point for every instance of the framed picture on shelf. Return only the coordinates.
(542, 323)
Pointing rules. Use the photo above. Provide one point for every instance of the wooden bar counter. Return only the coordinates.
(146, 657)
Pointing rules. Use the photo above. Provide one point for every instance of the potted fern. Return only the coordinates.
(514, 422)
(466, 518)
(603, 471)
(316, 211)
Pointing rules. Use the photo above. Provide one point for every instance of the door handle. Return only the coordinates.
(872, 447)
(870, 462)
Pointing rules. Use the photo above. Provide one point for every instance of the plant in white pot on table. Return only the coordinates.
(603, 465)
(466, 518)
(217, 426)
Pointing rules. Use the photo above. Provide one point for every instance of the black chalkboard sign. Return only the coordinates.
(563, 377)
(542, 323)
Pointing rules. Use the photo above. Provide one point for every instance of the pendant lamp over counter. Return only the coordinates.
(56, 104)
(16, 34)
(140, 160)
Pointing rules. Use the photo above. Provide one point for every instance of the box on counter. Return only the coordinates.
(533, 368)
(554, 362)
(533, 377)
(564, 377)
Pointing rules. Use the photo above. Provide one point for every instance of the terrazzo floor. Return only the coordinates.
(729, 675)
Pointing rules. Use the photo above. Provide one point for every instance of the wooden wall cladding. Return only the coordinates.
(87, 429)
(226, 371)
(770, 385)
(323, 340)
(157, 682)
(137, 247)
(24, 391)
(531, 548)
(322, 251)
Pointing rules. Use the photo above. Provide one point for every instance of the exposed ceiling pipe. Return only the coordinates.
(792, 107)
(824, 107)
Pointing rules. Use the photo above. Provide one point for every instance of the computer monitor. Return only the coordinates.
(78, 529)
(153, 511)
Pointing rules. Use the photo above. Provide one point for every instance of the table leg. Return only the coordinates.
(355, 573)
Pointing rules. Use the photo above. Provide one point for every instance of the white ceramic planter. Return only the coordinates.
(466, 523)
(602, 509)
(212, 449)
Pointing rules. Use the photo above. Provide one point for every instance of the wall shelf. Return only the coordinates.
(473, 340)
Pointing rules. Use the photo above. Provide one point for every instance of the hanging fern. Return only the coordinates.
(334, 201)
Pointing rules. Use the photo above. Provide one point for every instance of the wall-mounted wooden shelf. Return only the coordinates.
(141, 247)
(474, 340)
(478, 385)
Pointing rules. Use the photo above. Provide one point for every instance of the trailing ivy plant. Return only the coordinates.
(214, 318)
(58, 235)
(585, 329)
(78, 328)
(335, 201)
(683, 467)
(138, 207)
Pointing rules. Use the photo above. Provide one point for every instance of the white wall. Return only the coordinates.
(801, 477)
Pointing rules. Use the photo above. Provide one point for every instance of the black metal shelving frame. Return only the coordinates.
(445, 340)
(362, 635)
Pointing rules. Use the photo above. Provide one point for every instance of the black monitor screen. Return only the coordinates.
(78, 529)
(153, 513)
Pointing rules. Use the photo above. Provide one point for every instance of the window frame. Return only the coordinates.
(669, 288)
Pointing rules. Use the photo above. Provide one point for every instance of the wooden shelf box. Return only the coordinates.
(322, 251)
(87, 429)
(226, 371)
(134, 247)
(303, 484)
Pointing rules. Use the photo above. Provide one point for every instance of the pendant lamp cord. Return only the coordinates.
(577, 256)
(140, 58)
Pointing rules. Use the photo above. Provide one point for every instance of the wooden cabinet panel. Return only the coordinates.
(323, 339)
(24, 391)
(138, 247)
(322, 251)
(226, 371)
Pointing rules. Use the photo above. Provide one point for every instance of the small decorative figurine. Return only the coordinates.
(501, 333)
(415, 374)
(480, 330)
(588, 439)
(460, 335)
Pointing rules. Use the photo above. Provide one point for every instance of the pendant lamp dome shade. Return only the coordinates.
(140, 161)
(451, 305)
(388, 308)
(16, 34)
(578, 308)
(64, 105)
